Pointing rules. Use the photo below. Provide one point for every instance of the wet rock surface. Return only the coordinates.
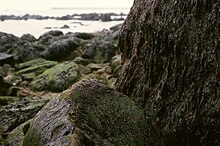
(91, 113)
(172, 67)
(42, 68)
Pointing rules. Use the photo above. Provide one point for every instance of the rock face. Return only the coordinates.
(91, 113)
(172, 56)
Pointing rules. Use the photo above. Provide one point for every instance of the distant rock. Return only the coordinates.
(48, 27)
(67, 17)
(90, 16)
(64, 27)
(105, 17)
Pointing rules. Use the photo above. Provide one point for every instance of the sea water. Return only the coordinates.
(38, 27)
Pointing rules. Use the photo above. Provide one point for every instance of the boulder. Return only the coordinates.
(57, 79)
(51, 33)
(34, 67)
(27, 51)
(8, 42)
(28, 38)
(99, 51)
(91, 113)
(61, 49)
(84, 36)
(6, 59)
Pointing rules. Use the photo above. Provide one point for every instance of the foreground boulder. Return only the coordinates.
(91, 113)
(171, 52)
(56, 79)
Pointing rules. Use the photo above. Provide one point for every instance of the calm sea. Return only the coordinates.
(37, 27)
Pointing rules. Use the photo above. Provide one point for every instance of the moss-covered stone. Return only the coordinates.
(91, 113)
(36, 66)
(51, 126)
(58, 78)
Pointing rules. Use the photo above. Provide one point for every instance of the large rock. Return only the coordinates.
(51, 33)
(57, 79)
(171, 52)
(8, 42)
(26, 52)
(28, 38)
(34, 67)
(91, 113)
(99, 51)
(61, 49)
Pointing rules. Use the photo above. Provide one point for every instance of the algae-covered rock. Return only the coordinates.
(58, 78)
(36, 66)
(91, 113)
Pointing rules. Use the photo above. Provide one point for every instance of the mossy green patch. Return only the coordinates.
(58, 78)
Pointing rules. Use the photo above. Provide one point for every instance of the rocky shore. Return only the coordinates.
(35, 70)
(85, 16)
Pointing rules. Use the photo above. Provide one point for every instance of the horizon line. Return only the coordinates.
(54, 8)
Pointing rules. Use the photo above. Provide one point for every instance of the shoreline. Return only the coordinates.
(38, 27)
(82, 16)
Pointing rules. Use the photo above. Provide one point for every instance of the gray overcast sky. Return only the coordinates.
(47, 4)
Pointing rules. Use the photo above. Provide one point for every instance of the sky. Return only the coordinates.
(48, 4)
